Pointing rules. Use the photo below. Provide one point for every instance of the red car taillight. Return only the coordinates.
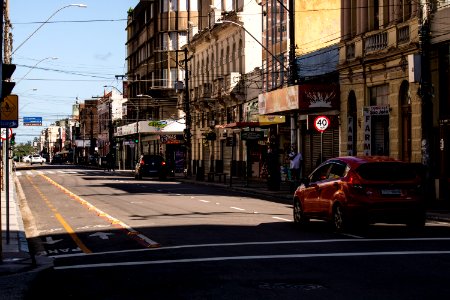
(354, 184)
(163, 163)
(141, 162)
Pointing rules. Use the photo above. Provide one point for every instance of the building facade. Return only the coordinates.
(156, 31)
(224, 63)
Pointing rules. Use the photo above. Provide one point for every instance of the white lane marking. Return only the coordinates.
(253, 257)
(50, 172)
(40, 172)
(282, 219)
(29, 173)
(237, 208)
(205, 201)
(352, 235)
(18, 173)
(331, 241)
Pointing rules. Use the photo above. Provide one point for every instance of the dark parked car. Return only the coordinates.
(151, 166)
(362, 190)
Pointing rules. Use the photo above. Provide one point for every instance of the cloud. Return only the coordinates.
(104, 56)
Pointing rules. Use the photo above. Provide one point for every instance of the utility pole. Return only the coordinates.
(425, 91)
(425, 82)
(292, 70)
(188, 134)
(7, 38)
(1, 155)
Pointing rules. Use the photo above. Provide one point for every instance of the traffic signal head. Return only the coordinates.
(7, 84)
(13, 139)
(136, 140)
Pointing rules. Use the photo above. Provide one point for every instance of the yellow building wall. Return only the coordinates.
(317, 24)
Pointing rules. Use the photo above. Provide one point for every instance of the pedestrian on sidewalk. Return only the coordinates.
(295, 164)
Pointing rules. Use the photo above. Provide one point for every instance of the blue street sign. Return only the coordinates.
(32, 121)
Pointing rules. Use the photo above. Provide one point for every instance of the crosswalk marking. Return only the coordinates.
(45, 172)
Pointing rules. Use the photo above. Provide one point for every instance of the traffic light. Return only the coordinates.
(136, 140)
(13, 139)
(7, 84)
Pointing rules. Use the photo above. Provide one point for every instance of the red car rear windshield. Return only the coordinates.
(388, 171)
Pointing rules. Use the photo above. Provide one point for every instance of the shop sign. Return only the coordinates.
(158, 123)
(367, 132)
(271, 119)
(314, 96)
(280, 100)
(252, 135)
(377, 110)
(170, 139)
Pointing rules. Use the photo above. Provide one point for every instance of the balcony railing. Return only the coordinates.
(376, 42)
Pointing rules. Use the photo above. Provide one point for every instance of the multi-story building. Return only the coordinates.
(110, 115)
(156, 31)
(307, 87)
(439, 55)
(87, 132)
(380, 106)
(224, 63)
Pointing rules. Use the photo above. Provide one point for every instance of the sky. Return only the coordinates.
(73, 56)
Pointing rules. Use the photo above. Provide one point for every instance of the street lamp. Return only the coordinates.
(31, 69)
(45, 22)
(111, 86)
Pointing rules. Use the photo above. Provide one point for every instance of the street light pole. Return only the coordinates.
(292, 64)
(31, 69)
(45, 22)
(187, 108)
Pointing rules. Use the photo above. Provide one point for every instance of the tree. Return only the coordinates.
(21, 150)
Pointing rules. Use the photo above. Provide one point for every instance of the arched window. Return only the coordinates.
(233, 58)
(241, 57)
(227, 66)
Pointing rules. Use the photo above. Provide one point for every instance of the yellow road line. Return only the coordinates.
(61, 220)
(72, 234)
(142, 239)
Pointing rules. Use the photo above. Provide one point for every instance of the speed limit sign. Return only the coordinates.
(6, 133)
(321, 123)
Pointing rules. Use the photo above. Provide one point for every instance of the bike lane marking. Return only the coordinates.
(61, 220)
(131, 232)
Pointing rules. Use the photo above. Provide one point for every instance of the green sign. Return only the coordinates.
(158, 124)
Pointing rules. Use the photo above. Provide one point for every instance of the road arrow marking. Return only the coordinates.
(51, 241)
(102, 235)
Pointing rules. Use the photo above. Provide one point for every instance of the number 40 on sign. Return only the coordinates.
(321, 123)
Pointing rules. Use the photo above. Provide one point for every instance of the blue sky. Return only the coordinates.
(89, 44)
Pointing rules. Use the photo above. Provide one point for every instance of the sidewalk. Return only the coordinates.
(17, 266)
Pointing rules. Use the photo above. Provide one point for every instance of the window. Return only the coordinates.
(337, 171)
(321, 173)
(379, 95)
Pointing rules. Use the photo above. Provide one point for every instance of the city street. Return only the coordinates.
(114, 237)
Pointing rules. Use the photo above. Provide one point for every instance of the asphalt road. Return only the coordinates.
(112, 237)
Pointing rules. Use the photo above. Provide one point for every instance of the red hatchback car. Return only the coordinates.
(362, 190)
